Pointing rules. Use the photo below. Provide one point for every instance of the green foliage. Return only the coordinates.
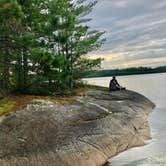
(43, 44)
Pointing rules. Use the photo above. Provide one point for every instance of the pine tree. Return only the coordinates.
(43, 44)
(10, 14)
(73, 39)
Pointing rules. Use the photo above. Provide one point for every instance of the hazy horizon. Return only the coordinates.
(102, 68)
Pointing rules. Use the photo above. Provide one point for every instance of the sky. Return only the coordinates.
(135, 32)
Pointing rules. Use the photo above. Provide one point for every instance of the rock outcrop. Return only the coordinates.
(85, 132)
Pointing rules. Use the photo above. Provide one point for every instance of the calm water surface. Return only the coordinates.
(152, 86)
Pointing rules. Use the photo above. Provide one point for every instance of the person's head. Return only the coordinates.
(113, 77)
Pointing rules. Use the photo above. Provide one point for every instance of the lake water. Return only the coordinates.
(152, 86)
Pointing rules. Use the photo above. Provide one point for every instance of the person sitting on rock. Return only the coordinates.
(114, 85)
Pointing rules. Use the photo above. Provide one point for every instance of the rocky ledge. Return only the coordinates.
(85, 132)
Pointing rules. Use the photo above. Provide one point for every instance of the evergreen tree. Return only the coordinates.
(10, 14)
(73, 39)
(43, 44)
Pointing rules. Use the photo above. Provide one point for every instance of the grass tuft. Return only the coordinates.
(6, 105)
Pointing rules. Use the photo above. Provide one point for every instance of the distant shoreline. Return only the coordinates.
(125, 72)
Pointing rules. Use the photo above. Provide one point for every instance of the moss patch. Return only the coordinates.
(13, 103)
(6, 105)
(85, 121)
(18, 102)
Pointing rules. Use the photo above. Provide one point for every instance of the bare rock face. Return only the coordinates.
(86, 132)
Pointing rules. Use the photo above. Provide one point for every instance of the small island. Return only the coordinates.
(87, 130)
(48, 116)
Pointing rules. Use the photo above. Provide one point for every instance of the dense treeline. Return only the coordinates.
(127, 71)
(43, 44)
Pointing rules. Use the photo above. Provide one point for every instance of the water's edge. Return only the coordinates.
(152, 86)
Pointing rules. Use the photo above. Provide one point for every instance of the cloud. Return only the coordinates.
(135, 31)
(119, 4)
(142, 62)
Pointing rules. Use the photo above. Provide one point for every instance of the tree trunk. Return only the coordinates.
(5, 71)
(25, 71)
(19, 73)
